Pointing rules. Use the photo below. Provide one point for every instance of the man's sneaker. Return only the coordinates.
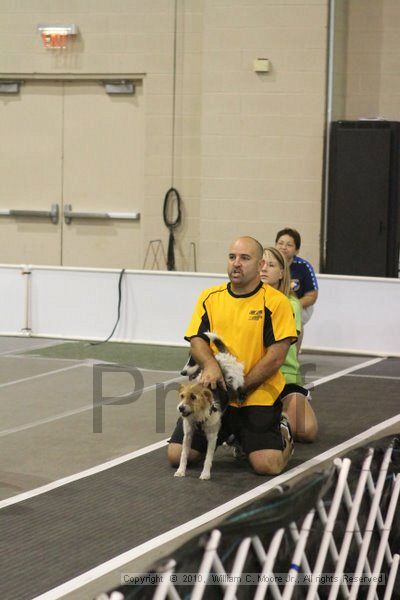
(286, 433)
(237, 452)
(236, 448)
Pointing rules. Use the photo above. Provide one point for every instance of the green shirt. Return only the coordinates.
(291, 367)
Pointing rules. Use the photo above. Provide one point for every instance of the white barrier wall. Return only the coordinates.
(352, 313)
(13, 301)
(356, 314)
(155, 307)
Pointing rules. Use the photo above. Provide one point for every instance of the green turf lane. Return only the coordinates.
(146, 356)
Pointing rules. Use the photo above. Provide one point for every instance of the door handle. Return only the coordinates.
(52, 214)
(70, 214)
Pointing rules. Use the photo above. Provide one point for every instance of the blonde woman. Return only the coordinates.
(295, 398)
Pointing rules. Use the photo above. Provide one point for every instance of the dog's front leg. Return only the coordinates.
(186, 445)
(211, 445)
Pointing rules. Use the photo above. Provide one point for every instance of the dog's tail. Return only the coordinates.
(213, 337)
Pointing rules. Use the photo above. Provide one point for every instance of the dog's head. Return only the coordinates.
(191, 369)
(195, 399)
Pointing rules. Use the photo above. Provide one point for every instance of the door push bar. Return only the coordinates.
(69, 214)
(52, 214)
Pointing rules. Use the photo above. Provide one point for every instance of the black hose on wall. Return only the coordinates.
(172, 218)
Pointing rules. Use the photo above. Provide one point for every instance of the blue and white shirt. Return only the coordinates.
(303, 278)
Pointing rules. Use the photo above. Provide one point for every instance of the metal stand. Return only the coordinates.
(158, 252)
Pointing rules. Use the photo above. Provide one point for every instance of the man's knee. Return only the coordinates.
(301, 418)
(267, 462)
(309, 435)
(174, 452)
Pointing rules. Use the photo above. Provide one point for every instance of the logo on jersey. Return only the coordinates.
(255, 315)
(295, 285)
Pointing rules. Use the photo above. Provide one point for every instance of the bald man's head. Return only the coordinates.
(244, 264)
(258, 247)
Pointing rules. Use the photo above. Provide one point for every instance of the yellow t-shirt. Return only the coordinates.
(248, 325)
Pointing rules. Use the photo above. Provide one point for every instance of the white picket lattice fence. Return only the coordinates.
(341, 548)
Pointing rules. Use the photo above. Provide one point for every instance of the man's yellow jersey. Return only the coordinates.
(248, 325)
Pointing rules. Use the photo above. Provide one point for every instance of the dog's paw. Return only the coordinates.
(180, 473)
(205, 475)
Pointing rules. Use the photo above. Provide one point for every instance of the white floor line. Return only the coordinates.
(96, 361)
(76, 411)
(373, 376)
(92, 471)
(126, 557)
(31, 377)
(338, 374)
(27, 349)
(39, 357)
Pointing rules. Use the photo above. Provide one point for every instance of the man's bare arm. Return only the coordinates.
(268, 365)
(211, 373)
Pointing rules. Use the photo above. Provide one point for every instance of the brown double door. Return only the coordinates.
(71, 143)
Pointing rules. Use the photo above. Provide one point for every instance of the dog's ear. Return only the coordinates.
(182, 387)
(208, 395)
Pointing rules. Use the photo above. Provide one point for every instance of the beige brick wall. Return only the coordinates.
(187, 159)
(373, 59)
(262, 134)
(339, 83)
(389, 98)
(248, 148)
(364, 50)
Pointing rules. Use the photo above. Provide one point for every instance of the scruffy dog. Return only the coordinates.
(198, 409)
(202, 407)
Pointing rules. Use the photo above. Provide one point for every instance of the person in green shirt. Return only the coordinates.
(295, 398)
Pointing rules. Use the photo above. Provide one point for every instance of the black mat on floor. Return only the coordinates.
(54, 537)
(346, 407)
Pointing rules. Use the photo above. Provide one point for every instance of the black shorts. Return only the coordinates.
(254, 427)
(293, 388)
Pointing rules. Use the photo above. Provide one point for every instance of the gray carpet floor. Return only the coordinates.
(51, 538)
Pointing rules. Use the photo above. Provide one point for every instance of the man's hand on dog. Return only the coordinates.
(211, 375)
